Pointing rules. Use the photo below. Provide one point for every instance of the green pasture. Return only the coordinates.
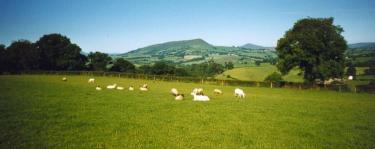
(40, 111)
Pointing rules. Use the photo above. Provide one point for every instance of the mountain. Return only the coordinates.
(362, 45)
(187, 52)
(254, 46)
(172, 48)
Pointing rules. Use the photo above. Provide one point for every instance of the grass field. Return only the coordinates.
(44, 112)
(258, 73)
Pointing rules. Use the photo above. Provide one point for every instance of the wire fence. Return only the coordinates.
(294, 85)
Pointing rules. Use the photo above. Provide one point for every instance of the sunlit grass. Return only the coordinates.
(45, 112)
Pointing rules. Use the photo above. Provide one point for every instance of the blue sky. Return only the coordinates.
(117, 26)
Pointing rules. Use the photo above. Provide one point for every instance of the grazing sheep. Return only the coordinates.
(350, 78)
(112, 86)
(198, 95)
(179, 97)
(143, 89)
(131, 88)
(200, 98)
(239, 93)
(64, 79)
(145, 86)
(91, 80)
(174, 92)
(197, 91)
(120, 88)
(98, 88)
(217, 92)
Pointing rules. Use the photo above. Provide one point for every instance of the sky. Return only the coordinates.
(118, 26)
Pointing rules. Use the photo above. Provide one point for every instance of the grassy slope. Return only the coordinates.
(44, 112)
(258, 73)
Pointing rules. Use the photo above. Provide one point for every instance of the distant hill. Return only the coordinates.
(362, 54)
(362, 45)
(187, 52)
(254, 46)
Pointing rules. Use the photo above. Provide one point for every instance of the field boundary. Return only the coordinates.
(212, 81)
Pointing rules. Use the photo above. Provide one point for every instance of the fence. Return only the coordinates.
(212, 81)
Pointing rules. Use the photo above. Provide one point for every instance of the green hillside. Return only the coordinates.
(258, 73)
(195, 51)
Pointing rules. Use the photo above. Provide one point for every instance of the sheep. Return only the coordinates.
(64, 79)
(174, 92)
(217, 92)
(200, 98)
(120, 88)
(198, 95)
(143, 89)
(98, 88)
(112, 86)
(179, 97)
(350, 77)
(239, 93)
(145, 86)
(197, 91)
(131, 88)
(91, 80)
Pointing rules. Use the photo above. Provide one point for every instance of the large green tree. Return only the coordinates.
(316, 46)
(98, 61)
(22, 55)
(58, 53)
(3, 58)
(122, 65)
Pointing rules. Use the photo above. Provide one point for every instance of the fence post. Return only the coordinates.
(355, 89)
(271, 85)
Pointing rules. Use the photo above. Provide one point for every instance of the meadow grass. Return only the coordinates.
(39, 111)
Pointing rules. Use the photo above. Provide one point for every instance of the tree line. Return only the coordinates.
(55, 52)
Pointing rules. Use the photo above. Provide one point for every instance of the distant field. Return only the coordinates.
(44, 112)
(258, 73)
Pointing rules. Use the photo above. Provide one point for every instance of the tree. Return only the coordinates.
(22, 55)
(122, 65)
(258, 62)
(274, 77)
(351, 71)
(228, 65)
(58, 53)
(314, 45)
(98, 61)
(3, 58)
(162, 68)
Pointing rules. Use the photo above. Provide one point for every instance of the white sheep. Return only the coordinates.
(145, 86)
(198, 95)
(91, 80)
(98, 88)
(350, 77)
(64, 79)
(131, 88)
(112, 86)
(200, 98)
(174, 91)
(143, 89)
(217, 91)
(179, 97)
(120, 88)
(197, 91)
(239, 93)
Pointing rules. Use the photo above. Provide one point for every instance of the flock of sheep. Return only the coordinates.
(197, 93)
